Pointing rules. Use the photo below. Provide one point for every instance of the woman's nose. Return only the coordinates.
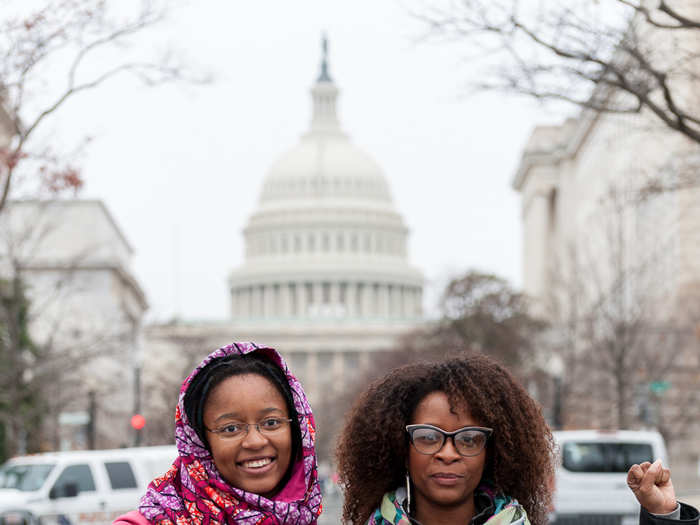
(448, 452)
(254, 438)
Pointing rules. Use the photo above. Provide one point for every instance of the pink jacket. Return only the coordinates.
(131, 518)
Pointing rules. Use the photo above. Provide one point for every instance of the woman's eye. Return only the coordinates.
(471, 440)
(231, 429)
(429, 437)
(271, 423)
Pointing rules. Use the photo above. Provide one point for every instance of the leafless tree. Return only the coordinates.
(50, 55)
(53, 348)
(162, 383)
(609, 56)
(613, 324)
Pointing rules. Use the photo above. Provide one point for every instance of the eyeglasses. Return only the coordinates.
(468, 441)
(267, 426)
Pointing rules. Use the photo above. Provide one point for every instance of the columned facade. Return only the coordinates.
(325, 277)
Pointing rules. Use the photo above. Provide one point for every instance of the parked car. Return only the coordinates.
(78, 487)
(591, 477)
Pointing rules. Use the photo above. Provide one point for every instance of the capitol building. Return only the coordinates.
(326, 278)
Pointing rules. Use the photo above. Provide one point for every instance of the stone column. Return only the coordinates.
(237, 306)
(350, 299)
(419, 301)
(383, 301)
(338, 376)
(255, 301)
(245, 302)
(402, 301)
(301, 298)
(393, 301)
(317, 300)
(285, 306)
(335, 297)
(365, 359)
(367, 300)
(268, 302)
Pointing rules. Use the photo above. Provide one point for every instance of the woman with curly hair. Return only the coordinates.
(458, 442)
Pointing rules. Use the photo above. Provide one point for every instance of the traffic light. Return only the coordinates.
(138, 421)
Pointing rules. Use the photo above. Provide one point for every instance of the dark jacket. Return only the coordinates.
(689, 515)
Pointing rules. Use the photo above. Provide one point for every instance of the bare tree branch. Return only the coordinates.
(584, 55)
(69, 27)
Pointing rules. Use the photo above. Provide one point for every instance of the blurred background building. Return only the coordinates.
(70, 261)
(326, 278)
(611, 241)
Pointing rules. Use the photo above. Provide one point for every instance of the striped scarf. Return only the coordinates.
(391, 510)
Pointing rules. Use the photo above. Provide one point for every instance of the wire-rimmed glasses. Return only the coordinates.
(237, 430)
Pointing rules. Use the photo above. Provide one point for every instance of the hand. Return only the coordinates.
(651, 484)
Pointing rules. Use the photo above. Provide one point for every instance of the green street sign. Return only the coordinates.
(659, 387)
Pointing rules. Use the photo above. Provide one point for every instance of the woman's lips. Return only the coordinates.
(446, 479)
(257, 466)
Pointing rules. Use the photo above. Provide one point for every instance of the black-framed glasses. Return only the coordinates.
(266, 426)
(468, 441)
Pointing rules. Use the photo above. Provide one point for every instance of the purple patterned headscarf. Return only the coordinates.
(193, 491)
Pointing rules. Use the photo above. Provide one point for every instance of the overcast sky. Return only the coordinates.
(181, 167)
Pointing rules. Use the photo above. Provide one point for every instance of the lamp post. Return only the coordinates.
(555, 367)
(137, 364)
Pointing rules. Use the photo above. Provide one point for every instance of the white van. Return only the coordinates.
(70, 488)
(591, 476)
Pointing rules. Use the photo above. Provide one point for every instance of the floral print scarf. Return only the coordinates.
(193, 492)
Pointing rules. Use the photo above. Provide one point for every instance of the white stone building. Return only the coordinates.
(326, 279)
(86, 311)
(596, 239)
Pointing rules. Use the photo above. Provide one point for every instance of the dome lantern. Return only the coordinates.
(324, 93)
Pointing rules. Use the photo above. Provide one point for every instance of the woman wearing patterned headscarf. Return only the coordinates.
(245, 439)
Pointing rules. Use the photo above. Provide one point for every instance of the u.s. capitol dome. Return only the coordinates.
(325, 244)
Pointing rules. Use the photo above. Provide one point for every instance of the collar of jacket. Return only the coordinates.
(489, 512)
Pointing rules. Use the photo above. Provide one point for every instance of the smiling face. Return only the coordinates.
(445, 479)
(256, 462)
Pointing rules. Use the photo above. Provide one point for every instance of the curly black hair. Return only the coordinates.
(373, 447)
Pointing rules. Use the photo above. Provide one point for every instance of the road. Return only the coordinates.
(332, 508)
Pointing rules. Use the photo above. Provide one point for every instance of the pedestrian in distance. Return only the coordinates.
(458, 442)
(245, 438)
(652, 485)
